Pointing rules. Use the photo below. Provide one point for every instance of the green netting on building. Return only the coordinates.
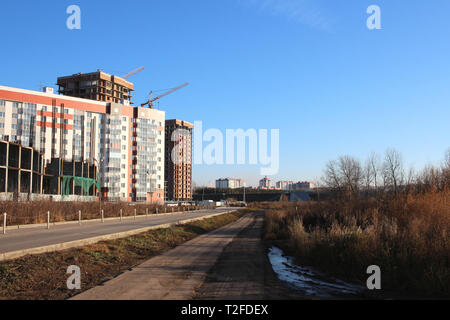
(84, 183)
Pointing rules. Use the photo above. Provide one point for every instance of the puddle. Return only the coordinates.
(308, 280)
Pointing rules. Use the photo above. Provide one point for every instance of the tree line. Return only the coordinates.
(349, 177)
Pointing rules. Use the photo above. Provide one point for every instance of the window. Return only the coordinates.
(2, 103)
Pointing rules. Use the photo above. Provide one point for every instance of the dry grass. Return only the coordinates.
(36, 212)
(407, 236)
(44, 276)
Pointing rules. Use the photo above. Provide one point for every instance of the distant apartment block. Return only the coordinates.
(265, 183)
(125, 142)
(178, 173)
(98, 86)
(289, 185)
(284, 185)
(304, 185)
(229, 183)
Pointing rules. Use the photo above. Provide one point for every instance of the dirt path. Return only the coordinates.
(243, 271)
(174, 275)
(229, 263)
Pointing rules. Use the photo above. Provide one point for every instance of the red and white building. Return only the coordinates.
(125, 142)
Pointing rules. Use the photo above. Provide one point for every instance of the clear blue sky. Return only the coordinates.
(310, 68)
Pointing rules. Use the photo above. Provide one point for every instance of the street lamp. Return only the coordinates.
(98, 180)
(148, 176)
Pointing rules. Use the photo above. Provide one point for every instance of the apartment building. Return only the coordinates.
(126, 143)
(178, 163)
(265, 183)
(229, 183)
(285, 185)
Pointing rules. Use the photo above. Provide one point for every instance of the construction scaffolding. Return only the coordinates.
(71, 178)
(21, 169)
(85, 184)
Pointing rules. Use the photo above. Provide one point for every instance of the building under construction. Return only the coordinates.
(178, 171)
(23, 171)
(91, 124)
(98, 86)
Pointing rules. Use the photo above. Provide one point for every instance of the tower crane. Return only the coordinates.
(151, 100)
(132, 73)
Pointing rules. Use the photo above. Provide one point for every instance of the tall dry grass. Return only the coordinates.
(407, 236)
(21, 213)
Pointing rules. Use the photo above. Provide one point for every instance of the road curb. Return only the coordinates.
(83, 242)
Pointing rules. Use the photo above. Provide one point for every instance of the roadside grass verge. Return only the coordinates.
(43, 276)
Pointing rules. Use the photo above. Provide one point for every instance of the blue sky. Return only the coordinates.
(310, 68)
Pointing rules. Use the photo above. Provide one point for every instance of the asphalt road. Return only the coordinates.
(22, 239)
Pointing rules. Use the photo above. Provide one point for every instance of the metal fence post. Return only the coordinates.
(120, 214)
(4, 223)
(146, 212)
(79, 217)
(103, 216)
(48, 220)
(156, 210)
(134, 214)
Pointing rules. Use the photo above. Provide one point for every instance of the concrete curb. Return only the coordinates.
(83, 242)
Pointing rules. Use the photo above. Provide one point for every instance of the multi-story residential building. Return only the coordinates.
(284, 185)
(178, 163)
(229, 183)
(304, 185)
(125, 142)
(265, 183)
(98, 86)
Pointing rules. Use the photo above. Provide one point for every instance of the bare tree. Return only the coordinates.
(446, 170)
(344, 175)
(332, 178)
(351, 172)
(370, 172)
(411, 179)
(374, 161)
(393, 172)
